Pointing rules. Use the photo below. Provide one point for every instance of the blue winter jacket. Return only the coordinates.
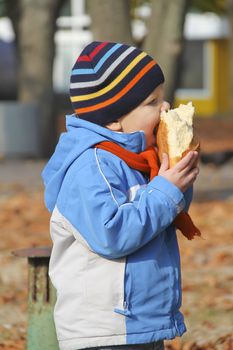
(115, 259)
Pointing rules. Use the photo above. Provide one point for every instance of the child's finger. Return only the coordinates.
(165, 163)
(192, 164)
(195, 164)
(184, 162)
(165, 106)
(191, 177)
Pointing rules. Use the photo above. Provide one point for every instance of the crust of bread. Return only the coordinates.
(161, 140)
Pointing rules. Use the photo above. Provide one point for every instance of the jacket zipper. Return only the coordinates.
(124, 311)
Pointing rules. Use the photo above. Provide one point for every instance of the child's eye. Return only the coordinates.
(153, 102)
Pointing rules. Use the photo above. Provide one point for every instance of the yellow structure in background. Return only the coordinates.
(214, 96)
(205, 75)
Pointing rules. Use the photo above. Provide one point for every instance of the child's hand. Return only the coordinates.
(184, 173)
(165, 106)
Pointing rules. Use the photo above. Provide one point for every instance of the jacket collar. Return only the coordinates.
(135, 141)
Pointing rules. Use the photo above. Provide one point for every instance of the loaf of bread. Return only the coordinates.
(175, 135)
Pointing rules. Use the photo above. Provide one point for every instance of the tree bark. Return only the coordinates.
(110, 20)
(36, 53)
(164, 41)
(34, 22)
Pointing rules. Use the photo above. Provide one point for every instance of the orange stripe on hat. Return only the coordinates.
(120, 94)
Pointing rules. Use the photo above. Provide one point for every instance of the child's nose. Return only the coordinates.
(165, 106)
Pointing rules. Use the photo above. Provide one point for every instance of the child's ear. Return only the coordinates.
(114, 126)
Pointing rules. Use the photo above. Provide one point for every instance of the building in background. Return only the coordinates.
(205, 67)
(8, 60)
(204, 77)
(72, 36)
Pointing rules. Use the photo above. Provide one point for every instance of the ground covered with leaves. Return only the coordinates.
(206, 268)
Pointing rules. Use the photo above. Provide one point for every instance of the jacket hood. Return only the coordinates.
(80, 136)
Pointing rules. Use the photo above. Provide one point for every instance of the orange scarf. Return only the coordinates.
(148, 162)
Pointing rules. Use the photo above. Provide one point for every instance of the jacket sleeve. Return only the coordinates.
(98, 207)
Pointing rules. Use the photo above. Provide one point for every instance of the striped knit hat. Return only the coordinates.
(110, 79)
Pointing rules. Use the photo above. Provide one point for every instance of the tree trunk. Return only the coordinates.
(36, 53)
(34, 22)
(164, 41)
(110, 20)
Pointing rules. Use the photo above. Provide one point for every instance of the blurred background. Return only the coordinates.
(192, 41)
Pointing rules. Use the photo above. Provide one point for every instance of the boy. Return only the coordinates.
(115, 259)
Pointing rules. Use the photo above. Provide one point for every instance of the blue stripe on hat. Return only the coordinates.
(99, 64)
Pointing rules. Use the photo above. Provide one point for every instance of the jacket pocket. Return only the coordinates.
(104, 282)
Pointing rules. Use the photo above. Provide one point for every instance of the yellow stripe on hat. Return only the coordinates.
(113, 83)
(120, 94)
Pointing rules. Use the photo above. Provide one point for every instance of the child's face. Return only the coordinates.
(145, 117)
